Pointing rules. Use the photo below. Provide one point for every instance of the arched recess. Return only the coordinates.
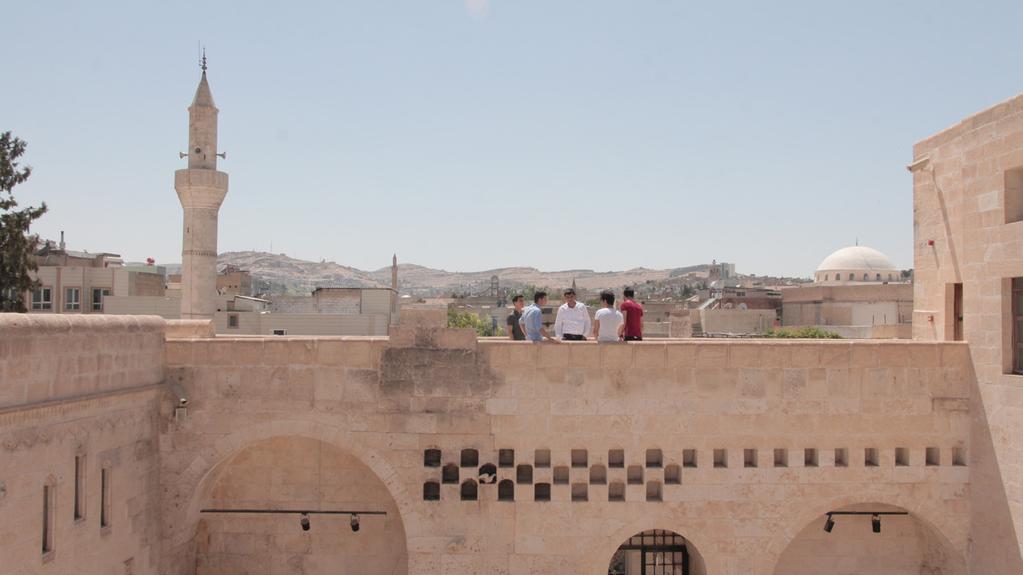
(298, 473)
(905, 544)
(184, 497)
(656, 551)
(703, 558)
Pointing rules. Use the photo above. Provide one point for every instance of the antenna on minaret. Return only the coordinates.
(202, 61)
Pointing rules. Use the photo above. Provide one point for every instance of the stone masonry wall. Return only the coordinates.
(87, 388)
(964, 234)
(736, 445)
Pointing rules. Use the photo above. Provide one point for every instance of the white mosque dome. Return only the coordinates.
(856, 264)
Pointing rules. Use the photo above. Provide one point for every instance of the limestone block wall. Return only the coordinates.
(965, 232)
(80, 393)
(512, 457)
(47, 358)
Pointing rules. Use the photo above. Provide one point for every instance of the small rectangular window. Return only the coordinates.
(72, 298)
(97, 298)
(1013, 195)
(41, 299)
(841, 457)
(232, 320)
(79, 487)
(1017, 325)
(48, 505)
(104, 498)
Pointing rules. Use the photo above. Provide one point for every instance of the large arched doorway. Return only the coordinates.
(855, 541)
(297, 473)
(656, 552)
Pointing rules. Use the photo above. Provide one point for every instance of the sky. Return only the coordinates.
(476, 134)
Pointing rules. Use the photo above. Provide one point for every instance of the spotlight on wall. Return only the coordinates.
(304, 522)
(875, 523)
(829, 524)
(355, 522)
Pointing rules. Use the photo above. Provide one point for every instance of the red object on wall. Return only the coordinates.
(930, 243)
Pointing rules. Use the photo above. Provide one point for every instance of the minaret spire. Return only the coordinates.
(202, 61)
(201, 189)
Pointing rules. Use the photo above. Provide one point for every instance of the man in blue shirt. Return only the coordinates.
(532, 319)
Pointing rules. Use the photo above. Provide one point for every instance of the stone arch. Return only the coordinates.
(195, 482)
(808, 519)
(604, 548)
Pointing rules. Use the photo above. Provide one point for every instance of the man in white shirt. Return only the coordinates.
(608, 323)
(573, 320)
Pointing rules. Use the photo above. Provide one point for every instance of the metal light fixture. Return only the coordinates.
(355, 522)
(304, 522)
(875, 518)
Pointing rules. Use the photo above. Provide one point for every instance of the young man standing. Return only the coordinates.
(633, 314)
(573, 320)
(515, 332)
(532, 319)
(608, 324)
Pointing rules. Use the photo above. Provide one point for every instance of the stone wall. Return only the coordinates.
(85, 388)
(735, 445)
(965, 234)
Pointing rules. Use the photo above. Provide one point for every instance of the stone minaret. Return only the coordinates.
(201, 189)
(394, 289)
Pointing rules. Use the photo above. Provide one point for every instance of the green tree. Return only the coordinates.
(483, 327)
(16, 243)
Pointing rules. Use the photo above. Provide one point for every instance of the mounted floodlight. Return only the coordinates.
(829, 524)
(304, 522)
(875, 523)
(355, 522)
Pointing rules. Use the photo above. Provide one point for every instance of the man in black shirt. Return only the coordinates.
(514, 328)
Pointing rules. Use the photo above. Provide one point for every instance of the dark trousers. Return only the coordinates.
(633, 338)
(573, 337)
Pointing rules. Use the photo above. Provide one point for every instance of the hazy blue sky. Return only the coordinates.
(469, 135)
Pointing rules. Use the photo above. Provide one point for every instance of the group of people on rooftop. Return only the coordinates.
(572, 322)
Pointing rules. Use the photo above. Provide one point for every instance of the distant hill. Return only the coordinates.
(280, 274)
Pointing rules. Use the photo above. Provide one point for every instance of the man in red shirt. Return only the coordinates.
(633, 313)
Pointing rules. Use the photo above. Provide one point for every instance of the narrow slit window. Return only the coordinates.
(79, 487)
(104, 497)
(48, 508)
